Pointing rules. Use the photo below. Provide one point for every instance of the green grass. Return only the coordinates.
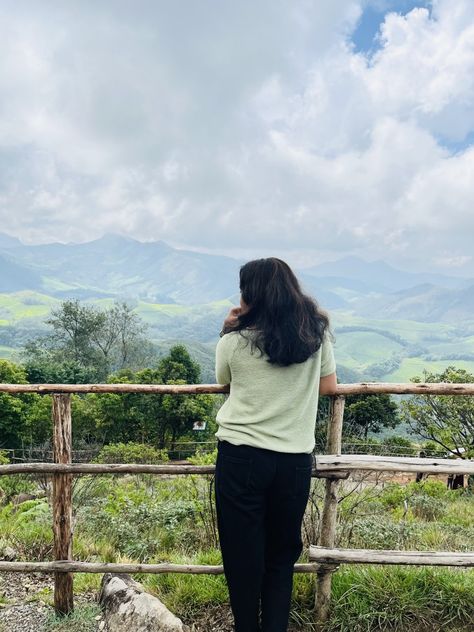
(359, 349)
(365, 598)
(7, 352)
(415, 366)
(83, 619)
(25, 305)
(377, 598)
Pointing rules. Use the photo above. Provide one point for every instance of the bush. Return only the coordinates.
(399, 446)
(131, 453)
(380, 532)
(394, 495)
(11, 486)
(398, 599)
(204, 458)
(427, 507)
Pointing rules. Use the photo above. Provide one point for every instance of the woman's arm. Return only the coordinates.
(328, 384)
(223, 375)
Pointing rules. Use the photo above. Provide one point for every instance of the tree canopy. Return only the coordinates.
(447, 420)
(369, 413)
(86, 343)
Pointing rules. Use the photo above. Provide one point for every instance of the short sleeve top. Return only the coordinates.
(269, 406)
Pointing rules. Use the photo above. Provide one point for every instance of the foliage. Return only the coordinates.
(187, 594)
(87, 343)
(399, 445)
(370, 598)
(203, 458)
(10, 486)
(359, 445)
(131, 453)
(28, 528)
(370, 413)
(12, 407)
(446, 420)
(83, 619)
(427, 508)
(137, 523)
(395, 495)
(25, 420)
(146, 418)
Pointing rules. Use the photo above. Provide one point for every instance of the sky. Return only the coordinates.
(304, 129)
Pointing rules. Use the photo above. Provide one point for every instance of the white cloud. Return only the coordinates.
(247, 126)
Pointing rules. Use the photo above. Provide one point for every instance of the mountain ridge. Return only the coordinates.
(117, 266)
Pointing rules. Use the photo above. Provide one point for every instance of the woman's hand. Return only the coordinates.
(232, 318)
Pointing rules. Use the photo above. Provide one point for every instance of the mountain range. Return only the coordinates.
(155, 272)
(389, 324)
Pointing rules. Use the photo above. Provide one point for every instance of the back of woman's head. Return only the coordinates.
(289, 326)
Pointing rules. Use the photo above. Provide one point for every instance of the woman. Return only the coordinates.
(276, 354)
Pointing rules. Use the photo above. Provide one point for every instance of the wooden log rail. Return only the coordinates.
(367, 388)
(332, 466)
(111, 567)
(368, 462)
(323, 555)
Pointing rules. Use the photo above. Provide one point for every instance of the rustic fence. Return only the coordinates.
(332, 466)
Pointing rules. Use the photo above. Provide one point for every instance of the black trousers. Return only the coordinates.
(261, 496)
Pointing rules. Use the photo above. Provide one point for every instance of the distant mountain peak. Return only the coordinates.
(7, 241)
(115, 238)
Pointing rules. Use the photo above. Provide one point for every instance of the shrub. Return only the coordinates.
(427, 507)
(204, 458)
(399, 446)
(11, 486)
(131, 453)
(380, 532)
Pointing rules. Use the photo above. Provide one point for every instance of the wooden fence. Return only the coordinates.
(332, 466)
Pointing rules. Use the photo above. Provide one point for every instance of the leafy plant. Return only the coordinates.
(131, 452)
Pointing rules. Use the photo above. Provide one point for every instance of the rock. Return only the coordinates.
(9, 554)
(128, 608)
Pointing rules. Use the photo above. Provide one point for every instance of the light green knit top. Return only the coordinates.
(269, 406)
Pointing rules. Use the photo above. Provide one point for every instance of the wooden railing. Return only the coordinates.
(333, 467)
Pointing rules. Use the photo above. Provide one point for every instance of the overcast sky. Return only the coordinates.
(308, 129)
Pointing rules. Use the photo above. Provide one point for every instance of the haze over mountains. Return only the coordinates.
(120, 267)
(389, 324)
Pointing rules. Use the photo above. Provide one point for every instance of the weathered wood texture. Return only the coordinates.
(323, 555)
(124, 468)
(62, 502)
(337, 462)
(110, 567)
(329, 517)
(194, 389)
(160, 389)
(104, 468)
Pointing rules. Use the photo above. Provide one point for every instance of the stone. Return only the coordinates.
(128, 608)
(9, 554)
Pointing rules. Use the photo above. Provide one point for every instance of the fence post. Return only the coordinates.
(329, 517)
(62, 503)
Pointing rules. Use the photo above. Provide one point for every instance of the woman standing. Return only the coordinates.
(276, 354)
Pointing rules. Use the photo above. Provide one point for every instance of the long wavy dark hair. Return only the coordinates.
(289, 326)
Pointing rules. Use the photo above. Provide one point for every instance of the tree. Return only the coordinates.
(12, 407)
(447, 420)
(178, 365)
(179, 412)
(148, 418)
(86, 344)
(370, 413)
(24, 419)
